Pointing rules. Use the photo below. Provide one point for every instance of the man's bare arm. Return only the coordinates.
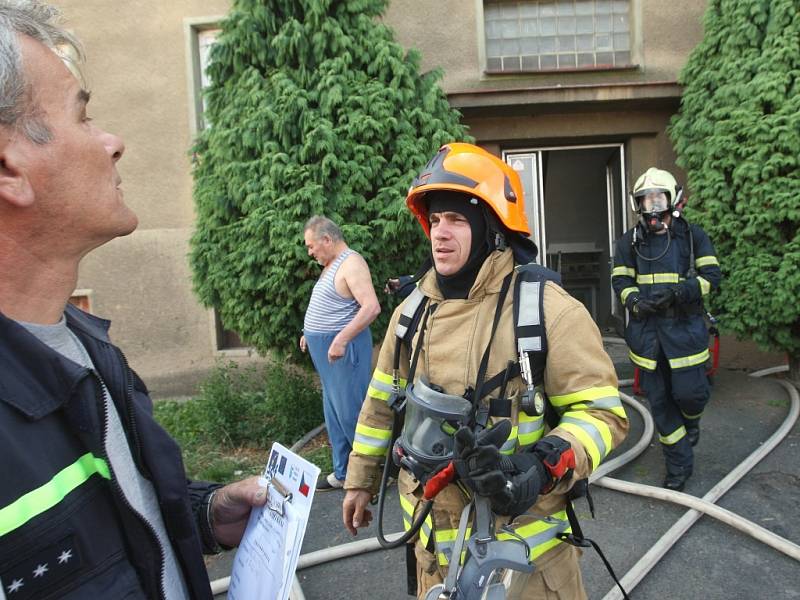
(356, 276)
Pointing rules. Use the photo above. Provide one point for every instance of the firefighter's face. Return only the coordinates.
(655, 202)
(451, 240)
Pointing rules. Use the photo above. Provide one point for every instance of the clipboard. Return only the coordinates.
(265, 563)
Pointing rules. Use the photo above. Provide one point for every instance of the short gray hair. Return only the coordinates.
(40, 22)
(320, 226)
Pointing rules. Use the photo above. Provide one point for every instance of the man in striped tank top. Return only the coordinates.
(337, 336)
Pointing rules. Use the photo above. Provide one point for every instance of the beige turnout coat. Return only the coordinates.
(579, 379)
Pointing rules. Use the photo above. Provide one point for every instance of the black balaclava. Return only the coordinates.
(459, 284)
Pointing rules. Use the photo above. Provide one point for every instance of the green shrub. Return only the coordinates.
(250, 406)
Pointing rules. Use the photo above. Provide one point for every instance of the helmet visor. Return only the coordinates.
(653, 201)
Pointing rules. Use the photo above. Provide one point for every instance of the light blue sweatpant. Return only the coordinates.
(344, 386)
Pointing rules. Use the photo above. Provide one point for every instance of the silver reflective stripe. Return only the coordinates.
(529, 344)
(590, 429)
(415, 298)
(529, 303)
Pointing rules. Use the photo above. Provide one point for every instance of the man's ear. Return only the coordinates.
(15, 188)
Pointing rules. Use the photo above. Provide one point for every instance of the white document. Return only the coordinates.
(264, 566)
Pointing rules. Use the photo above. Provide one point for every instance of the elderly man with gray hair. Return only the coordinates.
(94, 501)
(336, 334)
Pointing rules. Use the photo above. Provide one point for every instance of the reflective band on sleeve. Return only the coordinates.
(623, 295)
(371, 441)
(704, 261)
(380, 387)
(600, 398)
(689, 361)
(529, 304)
(540, 536)
(643, 362)
(623, 271)
(51, 493)
(511, 443)
(593, 433)
(530, 429)
(674, 437)
(653, 278)
(705, 286)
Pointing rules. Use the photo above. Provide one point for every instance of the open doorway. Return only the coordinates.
(575, 203)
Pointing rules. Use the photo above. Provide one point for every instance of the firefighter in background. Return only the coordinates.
(470, 205)
(663, 269)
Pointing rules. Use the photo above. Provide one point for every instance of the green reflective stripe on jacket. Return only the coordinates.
(45, 497)
(371, 440)
(623, 271)
(705, 286)
(530, 429)
(689, 361)
(704, 261)
(593, 433)
(601, 398)
(511, 443)
(641, 361)
(540, 535)
(653, 278)
(382, 385)
(623, 295)
(445, 539)
(674, 437)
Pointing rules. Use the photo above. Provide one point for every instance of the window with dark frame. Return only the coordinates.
(551, 35)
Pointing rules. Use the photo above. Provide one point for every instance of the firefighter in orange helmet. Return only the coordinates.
(471, 206)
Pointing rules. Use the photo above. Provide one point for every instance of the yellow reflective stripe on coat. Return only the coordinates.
(654, 278)
(540, 536)
(46, 496)
(510, 443)
(371, 441)
(643, 362)
(408, 520)
(623, 271)
(704, 261)
(691, 417)
(674, 437)
(593, 434)
(689, 361)
(705, 286)
(381, 385)
(623, 295)
(601, 398)
(445, 539)
(530, 429)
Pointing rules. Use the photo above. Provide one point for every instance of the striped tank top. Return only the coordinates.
(328, 311)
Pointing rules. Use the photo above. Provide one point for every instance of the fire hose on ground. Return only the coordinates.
(698, 506)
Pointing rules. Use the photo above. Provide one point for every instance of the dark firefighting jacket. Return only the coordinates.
(679, 331)
(65, 528)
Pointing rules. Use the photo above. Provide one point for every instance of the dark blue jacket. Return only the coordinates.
(66, 531)
(681, 330)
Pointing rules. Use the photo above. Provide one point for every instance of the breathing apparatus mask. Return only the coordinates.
(431, 420)
(653, 207)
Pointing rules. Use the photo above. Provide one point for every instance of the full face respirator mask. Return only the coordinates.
(431, 420)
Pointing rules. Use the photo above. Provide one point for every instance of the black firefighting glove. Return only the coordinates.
(643, 308)
(664, 298)
(512, 483)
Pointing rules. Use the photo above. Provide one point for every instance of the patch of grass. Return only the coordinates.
(226, 432)
(321, 457)
(778, 402)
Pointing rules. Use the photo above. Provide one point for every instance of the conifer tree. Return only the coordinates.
(313, 109)
(738, 137)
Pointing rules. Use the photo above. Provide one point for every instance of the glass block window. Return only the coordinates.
(538, 35)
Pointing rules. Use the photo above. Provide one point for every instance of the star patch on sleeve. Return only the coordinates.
(36, 574)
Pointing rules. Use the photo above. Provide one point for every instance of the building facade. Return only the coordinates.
(575, 94)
